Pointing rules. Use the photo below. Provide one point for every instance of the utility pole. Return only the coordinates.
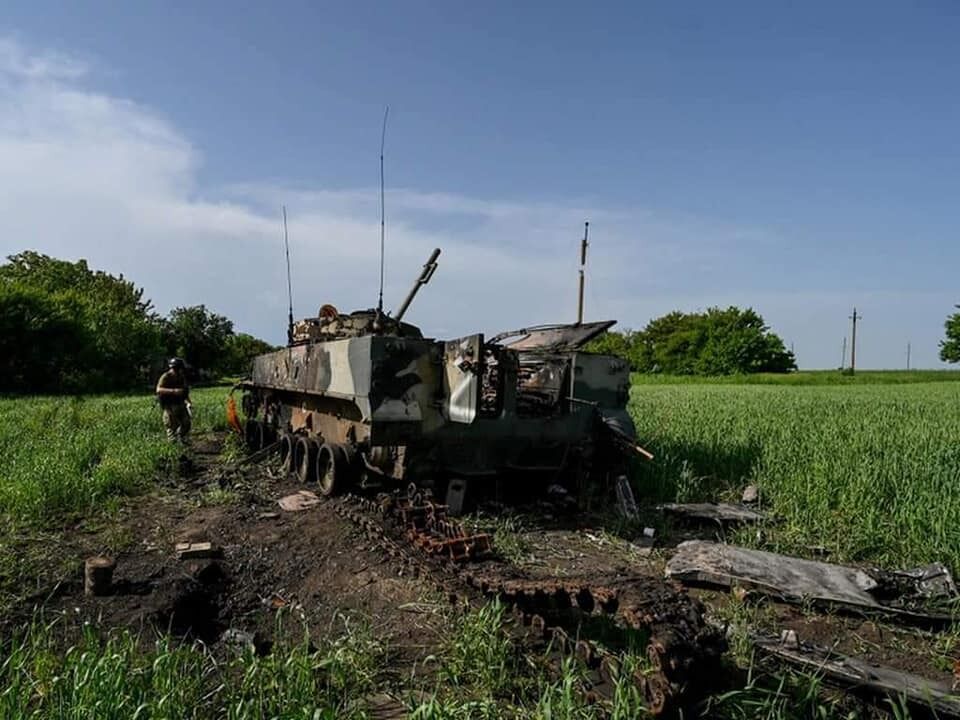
(908, 356)
(853, 341)
(843, 353)
(583, 265)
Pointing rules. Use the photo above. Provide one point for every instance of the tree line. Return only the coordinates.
(67, 328)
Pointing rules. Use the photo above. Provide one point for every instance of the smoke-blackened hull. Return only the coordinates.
(402, 407)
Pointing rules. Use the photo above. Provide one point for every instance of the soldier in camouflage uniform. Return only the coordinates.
(173, 394)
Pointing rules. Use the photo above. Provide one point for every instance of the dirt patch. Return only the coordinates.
(311, 566)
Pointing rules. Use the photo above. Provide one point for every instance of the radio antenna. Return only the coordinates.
(383, 138)
(286, 245)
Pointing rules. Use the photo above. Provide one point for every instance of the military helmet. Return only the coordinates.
(175, 363)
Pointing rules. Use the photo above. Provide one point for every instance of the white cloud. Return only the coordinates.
(16, 61)
(85, 174)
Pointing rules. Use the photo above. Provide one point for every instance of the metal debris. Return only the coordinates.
(715, 512)
(797, 581)
(626, 502)
(863, 677)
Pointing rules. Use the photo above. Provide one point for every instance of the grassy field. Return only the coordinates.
(807, 377)
(869, 471)
(65, 454)
(868, 467)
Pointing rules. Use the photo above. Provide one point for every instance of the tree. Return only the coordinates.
(111, 334)
(950, 347)
(41, 342)
(240, 351)
(715, 342)
(199, 336)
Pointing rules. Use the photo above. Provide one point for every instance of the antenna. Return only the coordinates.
(583, 264)
(286, 245)
(383, 138)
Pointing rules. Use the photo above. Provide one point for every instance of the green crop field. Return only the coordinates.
(869, 471)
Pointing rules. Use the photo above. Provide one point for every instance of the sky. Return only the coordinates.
(799, 159)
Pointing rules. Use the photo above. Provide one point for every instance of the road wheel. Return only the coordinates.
(327, 470)
(306, 458)
(335, 468)
(287, 453)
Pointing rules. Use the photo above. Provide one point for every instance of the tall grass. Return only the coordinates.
(870, 472)
(64, 454)
(118, 676)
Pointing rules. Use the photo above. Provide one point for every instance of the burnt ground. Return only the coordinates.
(311, 567)
(320, 570)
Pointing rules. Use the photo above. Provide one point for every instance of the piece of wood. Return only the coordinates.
(861, 676)
(716, 512)
(98, 575)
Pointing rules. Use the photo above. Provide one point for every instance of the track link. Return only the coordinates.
(681, 649)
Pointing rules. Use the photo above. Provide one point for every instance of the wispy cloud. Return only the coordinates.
(17, 61)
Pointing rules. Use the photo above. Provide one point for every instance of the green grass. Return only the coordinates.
(871, 472)
(119, 676)
(68, 454)
(806, 377)
(481, 673)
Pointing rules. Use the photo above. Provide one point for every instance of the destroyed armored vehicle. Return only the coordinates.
(364, 399)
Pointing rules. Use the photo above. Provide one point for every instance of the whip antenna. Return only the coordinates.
(286, 245)
(383, 138)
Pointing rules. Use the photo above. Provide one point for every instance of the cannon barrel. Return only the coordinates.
(428, 269)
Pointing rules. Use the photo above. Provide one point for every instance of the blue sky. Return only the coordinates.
(800, 159)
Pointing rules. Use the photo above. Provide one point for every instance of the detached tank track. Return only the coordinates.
(682, 651)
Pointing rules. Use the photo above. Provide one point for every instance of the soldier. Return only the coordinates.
(174, 397)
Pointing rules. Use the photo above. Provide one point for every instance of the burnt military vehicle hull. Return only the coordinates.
(364, 399)
(397, 409)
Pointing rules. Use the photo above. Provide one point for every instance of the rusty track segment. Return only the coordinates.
(681, 649)
(430, 529)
